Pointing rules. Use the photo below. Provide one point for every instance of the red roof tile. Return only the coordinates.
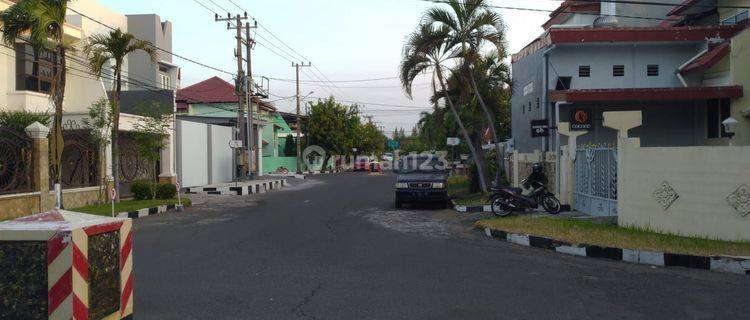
(213, 90)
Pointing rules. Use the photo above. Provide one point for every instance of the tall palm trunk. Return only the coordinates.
(58, 100)
(490, 119)
(464, 132)
(116, 129)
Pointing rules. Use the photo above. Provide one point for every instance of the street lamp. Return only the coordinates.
(730, 126)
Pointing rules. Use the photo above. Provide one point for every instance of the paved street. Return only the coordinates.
(333, 247)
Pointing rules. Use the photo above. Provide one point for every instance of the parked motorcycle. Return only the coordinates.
(506, 200)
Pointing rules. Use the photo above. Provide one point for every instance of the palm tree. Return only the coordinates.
(115, 46)
(471, 25)
(428, 48)
(41, 23)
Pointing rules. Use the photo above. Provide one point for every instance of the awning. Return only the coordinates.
(709, 59)
(646, 94)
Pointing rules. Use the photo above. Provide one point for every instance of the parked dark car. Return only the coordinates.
(421, 179)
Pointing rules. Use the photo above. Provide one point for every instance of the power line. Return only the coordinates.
(336, 81)
(551, 11)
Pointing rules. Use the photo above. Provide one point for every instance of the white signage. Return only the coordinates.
(235, 144)
(453, 141)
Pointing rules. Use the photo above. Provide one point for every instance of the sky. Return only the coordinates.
(343, 39)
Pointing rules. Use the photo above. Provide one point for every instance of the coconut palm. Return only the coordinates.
(102, 49)
(41, 23)
(428, 49)
(472, 24)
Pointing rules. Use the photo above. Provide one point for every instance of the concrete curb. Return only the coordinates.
(146, 212)
(471, 209)
(736, 265)
(260, 186)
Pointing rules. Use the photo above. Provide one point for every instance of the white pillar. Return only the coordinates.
(260, 151)
(567, 161)
(168, 173)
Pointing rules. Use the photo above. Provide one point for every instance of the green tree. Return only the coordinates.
(333, 127)
(370, 140)
(472, 24)
(290, 146)
(41, 23)
(152, 130)
(115, 46)
(100, 121)
(428, 48)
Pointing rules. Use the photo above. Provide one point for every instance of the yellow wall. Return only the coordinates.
(703, 177)
(15, 206)
(740, 74)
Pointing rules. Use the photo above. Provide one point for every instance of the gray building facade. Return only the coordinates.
(162, 74)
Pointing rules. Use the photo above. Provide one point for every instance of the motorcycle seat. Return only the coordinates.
(511, 189)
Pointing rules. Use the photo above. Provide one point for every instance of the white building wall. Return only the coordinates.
(221, 154)
(193, 143)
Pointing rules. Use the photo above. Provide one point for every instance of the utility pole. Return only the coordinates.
(299, 122)
(249, 83)
(239, 84)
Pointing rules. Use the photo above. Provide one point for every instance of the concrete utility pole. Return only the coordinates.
(299, 122)
(249, 84)
(239, 84)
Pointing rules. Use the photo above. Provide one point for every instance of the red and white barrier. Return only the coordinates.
(67, 237)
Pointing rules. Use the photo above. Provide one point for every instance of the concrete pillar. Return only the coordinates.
(623, 121)
(567, 161)
(259, 151)
(516, 178)
(168, 173)
(40, 167)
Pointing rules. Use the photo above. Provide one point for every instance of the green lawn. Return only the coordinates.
(610, 235)
(128, 206)
(458, 190)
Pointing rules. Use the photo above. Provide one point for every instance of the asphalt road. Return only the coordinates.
(333, 247)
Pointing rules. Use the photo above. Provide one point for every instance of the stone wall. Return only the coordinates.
(16, 205)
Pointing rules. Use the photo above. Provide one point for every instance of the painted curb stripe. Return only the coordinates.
(126, 292)
(604, 253)
(688, 261)
(126, 247)
(60, 291)
(103, 228)
(55, 246)
(735, 265)
(80, 311)
(80, 263)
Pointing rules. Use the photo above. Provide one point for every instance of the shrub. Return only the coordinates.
(143, 190)
(166, 191)
(19, 120)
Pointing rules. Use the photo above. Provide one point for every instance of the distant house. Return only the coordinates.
(214, 101)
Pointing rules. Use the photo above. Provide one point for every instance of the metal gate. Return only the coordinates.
(595, 181)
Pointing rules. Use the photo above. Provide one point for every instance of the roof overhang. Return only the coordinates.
(649, 34)
(555, 36)
(568, 8)
(646, 94)
(709, 59)
(688, 7)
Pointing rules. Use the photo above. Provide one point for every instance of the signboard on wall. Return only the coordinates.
(581, 120)
(539, 128)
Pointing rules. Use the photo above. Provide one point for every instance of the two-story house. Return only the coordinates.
(26, 80)
(684, 67)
